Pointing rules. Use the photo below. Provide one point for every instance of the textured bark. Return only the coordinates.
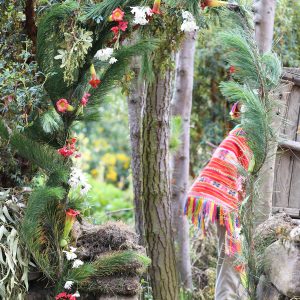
(182, 106)
(30, 26)
(264, 15)
(156, 188)
(135, 103)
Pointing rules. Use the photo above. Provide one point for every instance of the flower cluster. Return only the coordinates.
(189, 22)
(71, 256)
(78, 179)
(141, 14)
(118, 16)
(69, 149)
(65, 296)
(106, 55)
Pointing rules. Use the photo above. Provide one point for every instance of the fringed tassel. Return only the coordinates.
(199, 209)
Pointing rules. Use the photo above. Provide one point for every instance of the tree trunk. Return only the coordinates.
(156, 187)
(264, 14)
(135, 104)
(182, 106)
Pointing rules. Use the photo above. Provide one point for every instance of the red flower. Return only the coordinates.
(72, 213)
(94, 82)
(69, 149)
(117, 15)
(232, 69)
(123, 25)
(85, 99)
(156, 7)
(62, 105)
(65, 296)
(115, 30)
(64, 151)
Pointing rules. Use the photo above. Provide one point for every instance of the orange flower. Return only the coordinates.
(117, 15)
(156, 7)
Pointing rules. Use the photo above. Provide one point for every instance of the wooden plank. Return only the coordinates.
(294, 198)
(283, 163)
(293, 212)
(292, 74)
(290, 145)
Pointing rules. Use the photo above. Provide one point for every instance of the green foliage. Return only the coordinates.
(256, 75)
(42, 155)
(176, 131)
(121, 262)
(49, 39)
(42, 228)
(3, 131)
(14, 258)
(254, 72)
(286, 32)
(51, 121)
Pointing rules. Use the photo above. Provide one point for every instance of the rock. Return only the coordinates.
(282, 266)
(276, 227)
(295, 234)
(267, 291)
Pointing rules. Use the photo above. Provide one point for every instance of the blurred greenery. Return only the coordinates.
(105, 157)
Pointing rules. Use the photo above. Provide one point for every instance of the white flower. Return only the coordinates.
(112, 60)
(68, 285)
(104, 54)
(77, 263)
(73, 249)
(85, 189)
(189, 22)
(78, 179)
(70, 255)
(77, 295)
(140, 14)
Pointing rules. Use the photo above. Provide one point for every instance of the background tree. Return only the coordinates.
(182, 106)
(264, 16)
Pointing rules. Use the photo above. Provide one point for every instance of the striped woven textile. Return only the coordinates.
(218, 190)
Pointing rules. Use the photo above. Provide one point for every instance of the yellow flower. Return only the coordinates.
(111, 174)
(109, 159)
(94, 173)
(124, 159)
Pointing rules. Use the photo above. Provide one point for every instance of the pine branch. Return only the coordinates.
(43, 156)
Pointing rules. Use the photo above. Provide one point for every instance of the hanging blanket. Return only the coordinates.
(218, 190)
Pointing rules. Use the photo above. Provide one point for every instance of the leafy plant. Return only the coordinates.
(14, 257)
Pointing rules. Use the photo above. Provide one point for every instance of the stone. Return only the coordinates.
(276, 227)
(295, 234)
(267, 291)
(282, 266)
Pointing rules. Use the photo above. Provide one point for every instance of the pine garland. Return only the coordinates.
(254, 79)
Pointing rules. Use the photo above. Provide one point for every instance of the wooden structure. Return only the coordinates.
(286, 193)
